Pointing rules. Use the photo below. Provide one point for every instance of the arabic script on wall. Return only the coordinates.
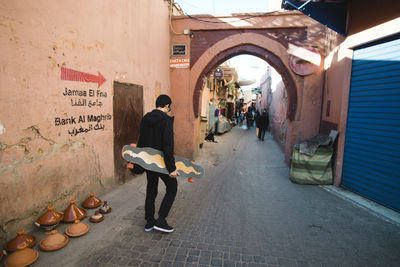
(89, 100)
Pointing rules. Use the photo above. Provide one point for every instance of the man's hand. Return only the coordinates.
(174, 174)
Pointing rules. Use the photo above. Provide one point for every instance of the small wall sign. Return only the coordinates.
(179, 50)
(179, 63)
(218, 73)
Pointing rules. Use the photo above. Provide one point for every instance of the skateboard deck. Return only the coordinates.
(153, 160)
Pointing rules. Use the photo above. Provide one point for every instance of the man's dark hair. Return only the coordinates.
(162, 101)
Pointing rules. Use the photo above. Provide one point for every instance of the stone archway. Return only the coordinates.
(210, 47)
(245, 43)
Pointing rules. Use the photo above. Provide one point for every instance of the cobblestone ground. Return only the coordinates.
(246, 212)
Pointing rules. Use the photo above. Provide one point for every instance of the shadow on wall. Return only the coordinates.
(277, 114)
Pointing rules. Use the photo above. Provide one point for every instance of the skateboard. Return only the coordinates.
(153, 160)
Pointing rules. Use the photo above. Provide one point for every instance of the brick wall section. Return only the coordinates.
(202, 40)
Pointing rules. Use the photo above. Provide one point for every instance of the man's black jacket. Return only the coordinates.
(263, 121)
(156, 131)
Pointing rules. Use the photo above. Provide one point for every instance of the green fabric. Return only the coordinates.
(315, 169)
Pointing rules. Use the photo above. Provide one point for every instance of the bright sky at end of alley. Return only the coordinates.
(249, 68)
(222, 7)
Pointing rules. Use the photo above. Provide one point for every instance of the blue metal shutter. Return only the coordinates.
(371, 161)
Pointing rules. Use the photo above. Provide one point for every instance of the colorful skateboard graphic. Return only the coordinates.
(153, 160)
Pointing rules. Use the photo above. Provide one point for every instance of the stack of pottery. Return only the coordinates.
(92, 202)
(21, 238)
(77, 229)
(73, 212)
(105, 208)
(22, 257)
(50, 219)
(54, 241)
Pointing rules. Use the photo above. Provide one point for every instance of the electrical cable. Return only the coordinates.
(171, 2)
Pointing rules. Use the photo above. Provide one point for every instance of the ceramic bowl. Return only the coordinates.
(50, 217)
(97, 217)
(92, 202)
(105, 208)
(77, 229)
(73, 213)
(21, 238)
(54, 241)
(22, 257)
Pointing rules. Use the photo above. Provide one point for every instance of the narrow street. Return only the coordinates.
(244, 212)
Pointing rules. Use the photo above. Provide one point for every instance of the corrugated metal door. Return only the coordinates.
(371, 163)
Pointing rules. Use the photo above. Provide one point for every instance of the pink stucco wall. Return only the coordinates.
(44, 161)
(265, 84)
(277, 115)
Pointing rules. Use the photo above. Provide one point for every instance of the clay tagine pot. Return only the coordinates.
(54, 241)
(77, 229)
(73, 212)
(50, 219)
(97, 217)
(92, 202)
(105, 208)
(21, 238)
(22, 257)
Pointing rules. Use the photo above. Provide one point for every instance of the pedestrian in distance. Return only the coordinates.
(156, 131)
(262, 124)
(249, 119)
(242, 116)
(238, 117)
(210, 136)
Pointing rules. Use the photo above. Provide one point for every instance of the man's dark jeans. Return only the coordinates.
(261, 133)
(171, 185)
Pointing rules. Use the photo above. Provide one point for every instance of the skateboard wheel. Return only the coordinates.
(190, 180)
(133, 144)
(129, 165)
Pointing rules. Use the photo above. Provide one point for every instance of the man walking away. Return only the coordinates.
(156, 131)
(249, 119)
(262, 123)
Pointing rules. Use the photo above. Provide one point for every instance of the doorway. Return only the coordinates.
(128, 111)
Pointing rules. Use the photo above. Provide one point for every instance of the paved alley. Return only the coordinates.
(244, 212)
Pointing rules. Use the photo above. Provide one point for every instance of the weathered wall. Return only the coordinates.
(275, 33)
(277, 115)
(265, 85)
(51, 147)
(335, 70)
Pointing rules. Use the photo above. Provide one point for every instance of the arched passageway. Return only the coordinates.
(257, 51)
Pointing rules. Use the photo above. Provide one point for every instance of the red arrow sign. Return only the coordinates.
(77, 76)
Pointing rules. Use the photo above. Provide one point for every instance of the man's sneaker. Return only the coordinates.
(149, 225)
(162, 225)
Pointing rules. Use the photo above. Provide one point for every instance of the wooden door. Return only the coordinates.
(128, 111)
